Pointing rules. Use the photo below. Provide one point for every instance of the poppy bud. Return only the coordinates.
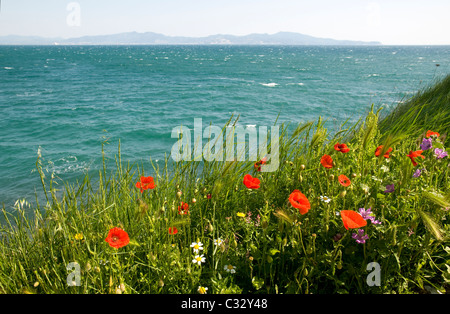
(302, 167)
(179, 194)
(210, 227)
(305, 272)
(339, 265)
(343, 193)
(337, 237)
(354, 175)
(196, 191)
(194, 200)
(331, 177)
(300, 178)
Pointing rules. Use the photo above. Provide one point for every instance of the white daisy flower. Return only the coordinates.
(218, 241)
(365, 188)
(325, 199)
(197, 246)
(198, 259)
(230, 268)
(376, 179)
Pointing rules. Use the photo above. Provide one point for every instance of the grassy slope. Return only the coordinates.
(283, 251)
(428, 109)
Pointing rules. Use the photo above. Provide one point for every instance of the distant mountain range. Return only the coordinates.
(149, 38)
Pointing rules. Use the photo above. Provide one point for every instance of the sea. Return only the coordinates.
(66, 102)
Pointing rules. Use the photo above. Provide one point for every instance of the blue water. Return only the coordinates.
(67, 100)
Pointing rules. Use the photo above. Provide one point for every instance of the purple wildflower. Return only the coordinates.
(367, 215)
(375, 221)
(258, 220)
(390, 188)
(249, 217)
(360, 237)
(427, 143)
(417, 173)
(440, 153)
(249, 220)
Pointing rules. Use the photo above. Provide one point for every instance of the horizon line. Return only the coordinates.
(360, 41)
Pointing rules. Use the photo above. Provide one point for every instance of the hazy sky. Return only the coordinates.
(389, 21)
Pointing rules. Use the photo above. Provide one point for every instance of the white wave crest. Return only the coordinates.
(269, 84)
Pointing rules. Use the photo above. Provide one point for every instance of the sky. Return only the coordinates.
(391, 22)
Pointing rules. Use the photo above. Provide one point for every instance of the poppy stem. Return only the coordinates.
(301, 241)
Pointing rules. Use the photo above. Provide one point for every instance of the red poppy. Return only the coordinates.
(341, 148)
(183, 209)
(327, 161)
(413, 155)
(250, 182)
(379, 150)
(431, 133)
(117, 238)
(300, 201)
(145, 183)
(343, 180)
(259, 163)
(173, 230)
(352, 219)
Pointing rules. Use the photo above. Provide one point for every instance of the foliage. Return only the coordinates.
(271, 247)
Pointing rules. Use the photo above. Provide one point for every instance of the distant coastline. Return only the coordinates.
(150, 38)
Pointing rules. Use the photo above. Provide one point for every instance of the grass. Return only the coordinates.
(428, 109)
(271, 247)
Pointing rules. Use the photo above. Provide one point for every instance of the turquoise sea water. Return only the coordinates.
(66, 100)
